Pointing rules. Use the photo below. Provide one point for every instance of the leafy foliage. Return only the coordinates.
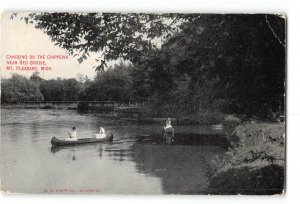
(60, 89)
(19, 88)
(228, 63)
(113, 84)
(115, 35)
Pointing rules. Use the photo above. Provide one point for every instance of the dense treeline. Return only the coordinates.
(20, 89)
(211, 63)
(228, 63)
(218, 63)
(113, 84)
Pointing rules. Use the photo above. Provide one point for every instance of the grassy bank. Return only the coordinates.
(255, 164)
(182, 117)
(156, 115)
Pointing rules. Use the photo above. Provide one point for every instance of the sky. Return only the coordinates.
(19, 38)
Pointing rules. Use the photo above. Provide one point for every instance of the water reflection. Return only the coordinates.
(121, 166)
(100, 150)
(72, 154)
(119, 154)
(182, 169)
(74, 148)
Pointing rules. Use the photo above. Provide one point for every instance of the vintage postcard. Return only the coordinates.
(143, 103)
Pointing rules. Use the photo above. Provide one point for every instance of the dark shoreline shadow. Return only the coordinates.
(182, 169)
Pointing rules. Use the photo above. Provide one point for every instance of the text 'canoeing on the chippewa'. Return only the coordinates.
(24, 62)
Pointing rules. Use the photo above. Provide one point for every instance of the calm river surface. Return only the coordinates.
(30, 165)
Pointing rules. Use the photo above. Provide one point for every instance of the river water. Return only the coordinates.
(124, 166)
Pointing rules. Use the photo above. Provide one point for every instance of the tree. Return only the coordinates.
(231, 63)
(61, 89)
(73, 87)
(113, 84)
(53, 90)
(234, 63)
(35, 78)
(114, 35)
(19, 88)
(241, 57)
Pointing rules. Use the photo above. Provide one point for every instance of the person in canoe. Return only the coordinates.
(101, 133)
(72, 135)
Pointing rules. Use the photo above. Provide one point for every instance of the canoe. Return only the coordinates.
(57, 142)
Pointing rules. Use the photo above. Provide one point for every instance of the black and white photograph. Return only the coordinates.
(143, 103)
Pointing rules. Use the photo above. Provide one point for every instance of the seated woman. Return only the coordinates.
(73, 135)
(101, 133)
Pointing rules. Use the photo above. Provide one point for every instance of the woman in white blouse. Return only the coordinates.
(101, 133)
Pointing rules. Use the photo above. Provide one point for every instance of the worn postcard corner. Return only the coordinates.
(3, 191)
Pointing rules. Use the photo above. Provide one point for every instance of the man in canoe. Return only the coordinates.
(72, 135)
(101, 133)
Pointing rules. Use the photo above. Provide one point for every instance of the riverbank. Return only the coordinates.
(142, 115)
(40, 106)
(179, 117)
(255, 165)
